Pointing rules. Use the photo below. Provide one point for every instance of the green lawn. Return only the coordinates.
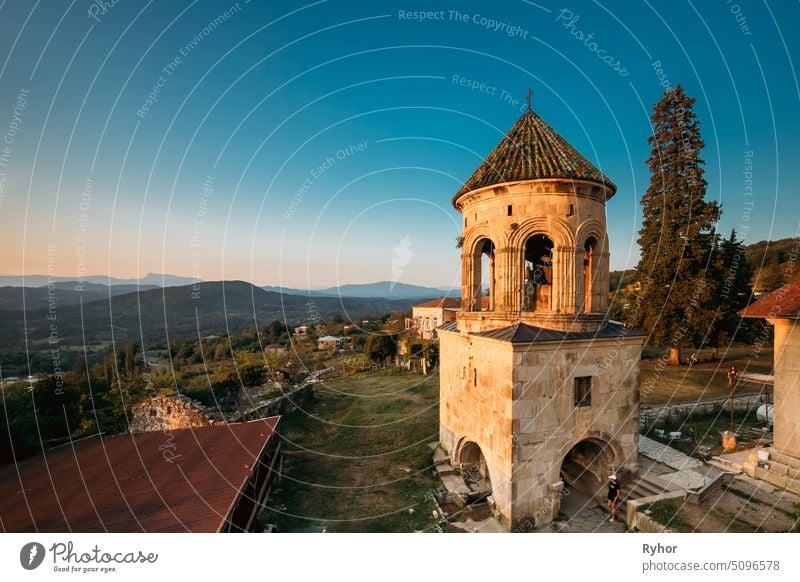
(357, 458)
(705, 380)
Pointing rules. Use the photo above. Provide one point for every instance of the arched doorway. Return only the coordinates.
(586, 467)
(537, 273)
(589, 267)
(473, 467)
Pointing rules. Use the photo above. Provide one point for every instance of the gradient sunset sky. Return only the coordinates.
(315, 144)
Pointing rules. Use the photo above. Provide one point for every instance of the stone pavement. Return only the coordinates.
(583, 515)
(667, 455)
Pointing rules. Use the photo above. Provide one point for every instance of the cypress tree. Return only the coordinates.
(675, 298)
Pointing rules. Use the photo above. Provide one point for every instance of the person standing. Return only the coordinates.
(613, 496)
(733, 375)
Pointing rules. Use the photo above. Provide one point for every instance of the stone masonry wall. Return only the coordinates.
(479, 410)
(547, 425)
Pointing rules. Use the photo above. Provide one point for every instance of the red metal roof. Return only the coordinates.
(183, 480)
(782, 304)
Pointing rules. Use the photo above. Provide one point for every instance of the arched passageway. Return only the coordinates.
(586, 467)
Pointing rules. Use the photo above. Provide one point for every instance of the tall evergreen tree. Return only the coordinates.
(674, 301)
(734, 292)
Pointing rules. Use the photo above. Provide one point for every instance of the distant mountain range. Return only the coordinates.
(382, 289)
(156, 315)
(151, 279)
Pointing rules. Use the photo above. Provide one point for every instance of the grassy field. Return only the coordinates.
(357, 460)
(706, 380)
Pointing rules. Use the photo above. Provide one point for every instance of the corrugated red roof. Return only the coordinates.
(782, 304)
(186, 480)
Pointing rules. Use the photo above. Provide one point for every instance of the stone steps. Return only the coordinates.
(781, 481)
(784, 458)
(725, 465)
(780, 469)
(638, 489)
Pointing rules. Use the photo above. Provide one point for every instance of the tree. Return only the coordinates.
(675, 299)
(379, 347)
(253, 375)
(734, 292)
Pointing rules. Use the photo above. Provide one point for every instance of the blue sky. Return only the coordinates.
(300, 143)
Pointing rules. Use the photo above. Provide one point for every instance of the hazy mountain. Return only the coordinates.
(64, 293)
(151, 279)
(156, 315)
(387, 289)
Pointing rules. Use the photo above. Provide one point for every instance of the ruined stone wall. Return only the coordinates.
(166, 412)
(280, 405)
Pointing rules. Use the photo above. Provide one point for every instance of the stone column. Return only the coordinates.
(466, 282)
(566, 280)
(600, 284)
(504, 279)
(475, 282)
(554, 494)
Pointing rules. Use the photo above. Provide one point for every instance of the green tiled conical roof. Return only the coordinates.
(532, 150)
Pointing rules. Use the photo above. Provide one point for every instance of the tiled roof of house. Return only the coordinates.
(532, 150)
(782, 304)
(443, 302)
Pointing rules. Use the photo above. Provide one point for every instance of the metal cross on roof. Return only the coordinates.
(528, 97)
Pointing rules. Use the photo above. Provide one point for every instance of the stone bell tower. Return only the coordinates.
(537, 386)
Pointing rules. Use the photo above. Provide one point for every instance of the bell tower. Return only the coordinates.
(533, 375)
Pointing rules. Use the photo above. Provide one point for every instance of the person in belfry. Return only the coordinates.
(613, 496)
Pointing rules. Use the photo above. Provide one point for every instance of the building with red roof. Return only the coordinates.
(202, 479)
(781, 308)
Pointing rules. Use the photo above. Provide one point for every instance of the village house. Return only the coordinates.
(426, 317)
(780, 464)
(330, 342)
(301, 330)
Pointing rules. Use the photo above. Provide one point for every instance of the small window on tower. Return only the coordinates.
(475, 378)
(510, 210)
(583, 391)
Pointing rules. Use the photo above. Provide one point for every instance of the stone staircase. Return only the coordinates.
(780, 470)
(641, 486)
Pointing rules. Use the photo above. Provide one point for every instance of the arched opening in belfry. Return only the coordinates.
(589, 268)
(587, 466)
(537, 281)
(485, 283)
(472, 465)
